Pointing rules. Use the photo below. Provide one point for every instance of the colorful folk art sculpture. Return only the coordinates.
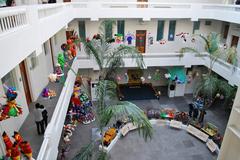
(8, 144)
(12, 149)
(183, 35)
(109, 135)
(61, 60)
(48, 93)
(71, 47)
(11, 108)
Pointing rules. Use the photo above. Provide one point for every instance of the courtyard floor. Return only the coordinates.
(167, 143)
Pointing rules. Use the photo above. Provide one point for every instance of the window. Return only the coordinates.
(10, 80)
(160, 30)
(108, 31)
(225, 32)
(196, 26)
(82, 30)
(208, 23)
(33, 61)
(171, 32)
(120, 27)
(45, 47)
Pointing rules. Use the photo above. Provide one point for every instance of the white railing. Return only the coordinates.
(49, 148)
(49, 9)
(11, 19)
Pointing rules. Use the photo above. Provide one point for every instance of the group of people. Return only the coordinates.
(41, 118)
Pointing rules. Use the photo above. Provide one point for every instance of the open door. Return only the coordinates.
(25, 82)
(142, 5)
(141, 40)
(234, 41)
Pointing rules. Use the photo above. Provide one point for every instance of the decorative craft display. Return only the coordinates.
(13, 148)
(143, 79)
(59, 70)
(149, 76)
(150, 39)
(52, 77)
(109, 135)
(48, 93)
(11, 108)
(129, 38)
(61, 60)
(183, 35)
(80, 108)
(163, 41)
(118, 38)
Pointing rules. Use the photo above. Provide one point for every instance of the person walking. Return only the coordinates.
(37, 112)
(45, 115)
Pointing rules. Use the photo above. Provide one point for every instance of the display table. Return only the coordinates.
(211, 145)
(127, 127)
(113, 142)
(176, 124)
(197, 133)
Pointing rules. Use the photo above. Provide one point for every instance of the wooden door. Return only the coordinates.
(66, 0)
(142, 5)
(141, 40)
(25, 82)
(234, 41)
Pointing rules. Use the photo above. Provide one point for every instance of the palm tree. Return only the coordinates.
(210, 83)
(108, 108)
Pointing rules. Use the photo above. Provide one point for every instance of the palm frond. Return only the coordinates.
(232, 56)
(85, 153)
(106, 28)
(102, 156)
(189, 49)
(136, 115)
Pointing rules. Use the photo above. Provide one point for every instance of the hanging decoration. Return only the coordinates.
(129, 38)
(11, 108)
(118, 38)
(150, 39)
(183, 35)
(143, 79)
(13, 148)
(162, 41)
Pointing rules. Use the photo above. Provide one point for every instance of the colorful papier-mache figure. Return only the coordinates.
(11, 108)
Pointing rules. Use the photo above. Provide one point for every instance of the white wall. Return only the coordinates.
(38, 77)
(183, 25)
(57, 40)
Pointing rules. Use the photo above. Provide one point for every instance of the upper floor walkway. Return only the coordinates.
(24, 29)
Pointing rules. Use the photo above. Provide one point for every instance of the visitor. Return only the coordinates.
(37, 112)
(45, 115)
(195, 113)
(10, 3)
(190, 110)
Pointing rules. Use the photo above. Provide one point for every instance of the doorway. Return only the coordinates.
(66, 0)
(142, 5)
(234, 41)
(141, 40)
(25, 82)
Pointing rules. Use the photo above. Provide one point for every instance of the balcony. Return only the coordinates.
(32, 25)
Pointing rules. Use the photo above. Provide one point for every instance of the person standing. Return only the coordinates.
(37, 112)
(202, 114)
(45, 115)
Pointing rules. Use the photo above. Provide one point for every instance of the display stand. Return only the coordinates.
(113, 142)
(211, 145)
(176, 124)
(197, 133)
(126, 128)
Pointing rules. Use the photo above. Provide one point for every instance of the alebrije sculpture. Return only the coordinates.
(61, 60)
(8, 144)
(18, 138)
(64, 47)
(11, 109)
(26, 149)
(15, 153)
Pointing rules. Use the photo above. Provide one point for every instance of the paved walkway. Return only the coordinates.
(29, 129)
